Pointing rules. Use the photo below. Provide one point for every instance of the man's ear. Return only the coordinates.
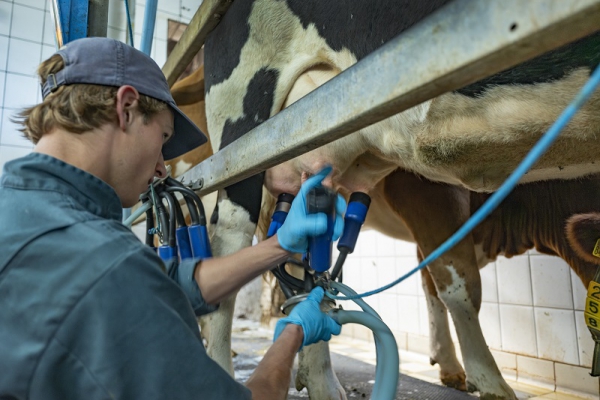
(127, 101)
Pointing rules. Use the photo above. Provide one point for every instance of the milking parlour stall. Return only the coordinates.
(463, 135)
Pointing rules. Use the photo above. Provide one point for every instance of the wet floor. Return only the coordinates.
(356, 377)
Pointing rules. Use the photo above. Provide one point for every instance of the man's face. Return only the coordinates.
(144, 160)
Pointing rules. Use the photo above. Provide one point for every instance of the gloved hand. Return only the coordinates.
(316, 324)
(299, 225)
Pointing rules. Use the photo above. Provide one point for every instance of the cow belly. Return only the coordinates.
(383, 218)
(478, 142)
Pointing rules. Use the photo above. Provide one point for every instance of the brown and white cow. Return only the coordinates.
(254, 72)
(435, 210)
(403, 217)
(266, 54)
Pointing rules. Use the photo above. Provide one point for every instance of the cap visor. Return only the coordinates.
(186, 138)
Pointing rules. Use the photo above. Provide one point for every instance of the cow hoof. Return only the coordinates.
(471, 388)
(507, 395)
(455, 381)
(490, 396)
(299, 384)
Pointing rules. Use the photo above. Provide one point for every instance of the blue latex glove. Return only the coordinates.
(316, 324)
(299, 225)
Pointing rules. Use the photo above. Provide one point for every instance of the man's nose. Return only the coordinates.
(161, 170)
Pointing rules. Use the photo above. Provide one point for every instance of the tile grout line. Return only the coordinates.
(574, 315)
(498, 304)
(30, 7)
(6, 74)
(535, 321)
(41, 49)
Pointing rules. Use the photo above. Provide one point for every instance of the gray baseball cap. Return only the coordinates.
(109, 62)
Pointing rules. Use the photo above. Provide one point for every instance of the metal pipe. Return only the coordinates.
(204, 20)
(98, 18)
(70, 20)
(148, 29)
(58, 29)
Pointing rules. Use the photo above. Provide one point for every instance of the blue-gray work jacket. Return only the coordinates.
(86, 310)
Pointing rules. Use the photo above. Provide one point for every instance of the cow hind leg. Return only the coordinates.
(441, 347)
(433, 212)
(460, 290)
(316, 373)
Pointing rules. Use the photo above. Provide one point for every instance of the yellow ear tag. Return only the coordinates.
(592, 306)
(596, 251)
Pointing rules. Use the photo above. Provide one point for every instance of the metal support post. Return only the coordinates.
(70, 20)
(148, 29)
(98, 18)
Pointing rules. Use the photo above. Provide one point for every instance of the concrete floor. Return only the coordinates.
(354, 363)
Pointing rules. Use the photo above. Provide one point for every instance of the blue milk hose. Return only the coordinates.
(388, 360)
(135, 215)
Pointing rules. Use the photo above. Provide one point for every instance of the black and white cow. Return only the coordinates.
(266, 54)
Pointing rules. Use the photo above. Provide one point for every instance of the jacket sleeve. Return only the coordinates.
(183, 274)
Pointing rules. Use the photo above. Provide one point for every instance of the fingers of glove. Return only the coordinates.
(316, 294)
(333, 326)
(338, 228)
(293, 234)
(321, 330)
(311, 225)
(299, 204)
(291, 244)
(340, 207)
(314, 180)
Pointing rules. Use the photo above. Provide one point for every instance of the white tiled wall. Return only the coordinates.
(531, 314)
(27, 38)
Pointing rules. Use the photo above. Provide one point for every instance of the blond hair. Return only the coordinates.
(76, 108)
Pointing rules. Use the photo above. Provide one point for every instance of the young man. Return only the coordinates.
(87, 311)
